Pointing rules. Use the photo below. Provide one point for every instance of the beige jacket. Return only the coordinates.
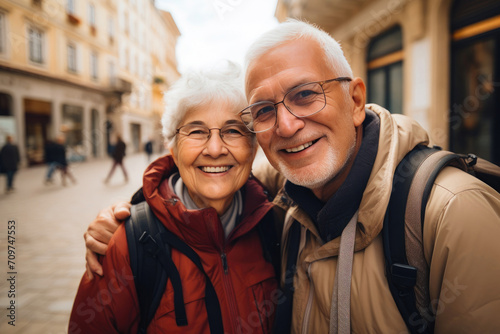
(461, 245)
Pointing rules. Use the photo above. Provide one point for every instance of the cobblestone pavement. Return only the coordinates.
(49, 247)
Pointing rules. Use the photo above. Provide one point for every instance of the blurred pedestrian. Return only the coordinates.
(148, 148)
(9, 159)
(50, 146)
(118, 155)
(58, 156)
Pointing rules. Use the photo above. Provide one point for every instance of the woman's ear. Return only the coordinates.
(172, 153)
(357, 91)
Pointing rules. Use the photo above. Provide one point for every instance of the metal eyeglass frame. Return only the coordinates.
(321, 83)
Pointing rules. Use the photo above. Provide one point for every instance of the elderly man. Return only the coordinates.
(338, 157)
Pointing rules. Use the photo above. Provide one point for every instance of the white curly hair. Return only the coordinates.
(197, 88)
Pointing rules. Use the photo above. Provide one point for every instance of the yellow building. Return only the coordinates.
(62, 70)
(435, 60)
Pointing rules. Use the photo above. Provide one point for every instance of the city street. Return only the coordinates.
(47, 254)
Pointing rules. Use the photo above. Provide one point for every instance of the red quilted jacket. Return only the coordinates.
(246, 286)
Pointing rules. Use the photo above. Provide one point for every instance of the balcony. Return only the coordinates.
(327, 14)
(121, 86)
(73, 19)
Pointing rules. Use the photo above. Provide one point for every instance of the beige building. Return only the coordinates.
(146, 48)
(435, 60)
(62, 69)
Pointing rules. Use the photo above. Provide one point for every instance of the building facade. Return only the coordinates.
(437, 61)
(62, 71)
(147, 38)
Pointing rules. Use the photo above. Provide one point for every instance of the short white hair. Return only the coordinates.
(198, 88)
(293, 29)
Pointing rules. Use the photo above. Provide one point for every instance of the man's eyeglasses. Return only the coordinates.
(231, 134)
(301, 101)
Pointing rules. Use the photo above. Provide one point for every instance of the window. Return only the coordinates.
(3, 33)
(385, 70)
(6, 105)
(70, 6)
(140, 69)
(125, 22)
(148, 72)
(92, 15)
(35, 45)
(132, 62)
(112, 73)
(126, 59)
(132, 28)
(72, 58)
(93, 65)
(111, 27)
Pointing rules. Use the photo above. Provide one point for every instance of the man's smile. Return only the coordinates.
(300, 147)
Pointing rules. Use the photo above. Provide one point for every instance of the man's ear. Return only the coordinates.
(358, 94)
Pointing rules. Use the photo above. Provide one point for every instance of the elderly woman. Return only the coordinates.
(205, 195)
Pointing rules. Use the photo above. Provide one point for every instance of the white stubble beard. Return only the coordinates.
(323, 174)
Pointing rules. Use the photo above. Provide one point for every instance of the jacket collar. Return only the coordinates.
(201, 228)
(332, 217)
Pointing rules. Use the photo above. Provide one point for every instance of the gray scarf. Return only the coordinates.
(228, 219)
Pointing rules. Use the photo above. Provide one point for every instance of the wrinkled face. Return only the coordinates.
(213, 171)
(309, 151)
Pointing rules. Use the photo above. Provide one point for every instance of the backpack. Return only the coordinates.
(406, 269)
(149, 244)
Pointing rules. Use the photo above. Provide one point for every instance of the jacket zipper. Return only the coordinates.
(307, 312)
(228, 286)
(230, 295)
(224, 263)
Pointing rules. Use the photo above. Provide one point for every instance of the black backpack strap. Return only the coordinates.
(150, 280)
(402, 277)
(270, 241)
(407, 271)
(283, 319)
(148, 255)
(211, 300)
(158, 250)
(149, 244)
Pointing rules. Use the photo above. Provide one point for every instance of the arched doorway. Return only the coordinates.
(475, 78)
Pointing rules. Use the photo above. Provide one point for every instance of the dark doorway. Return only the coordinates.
(37, 129)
